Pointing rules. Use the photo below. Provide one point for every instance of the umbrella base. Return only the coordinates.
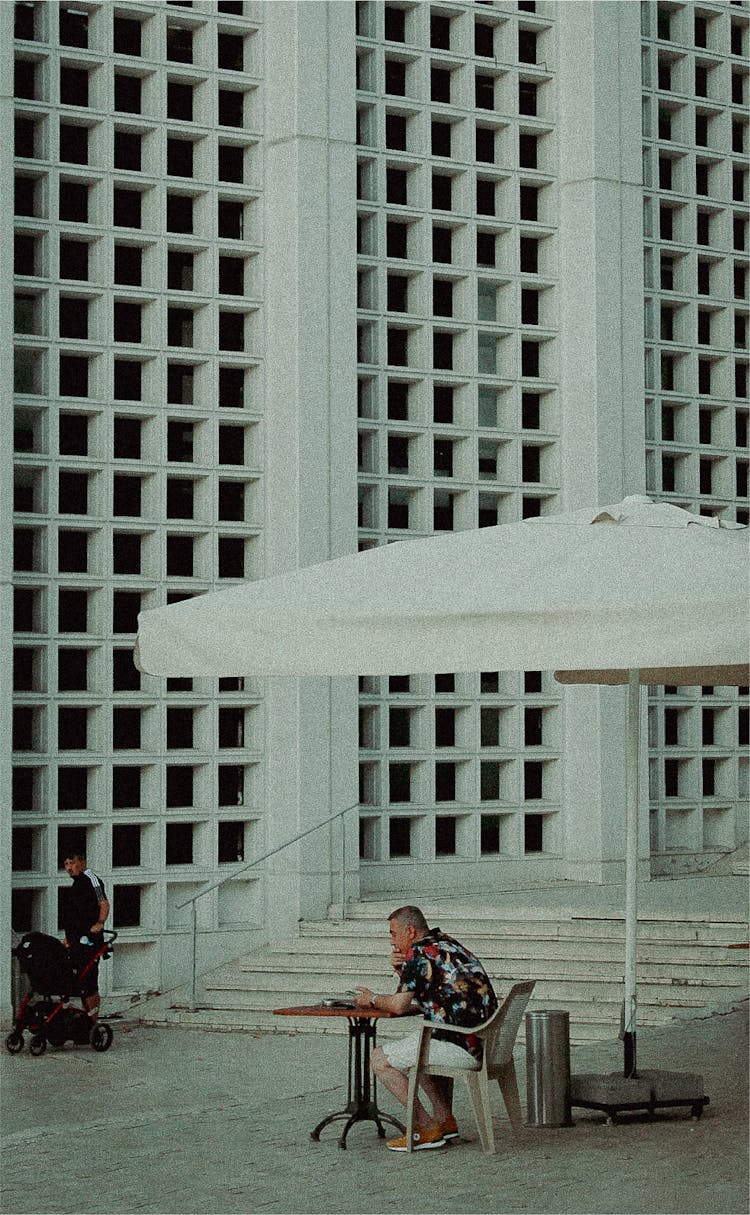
(615, 1094)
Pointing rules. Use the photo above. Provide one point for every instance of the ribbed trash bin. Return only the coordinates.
(548, 1067)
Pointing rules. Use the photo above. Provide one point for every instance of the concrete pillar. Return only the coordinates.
(311, 419)
(601, 371)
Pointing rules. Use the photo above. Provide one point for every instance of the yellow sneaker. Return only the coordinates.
(421, 1140)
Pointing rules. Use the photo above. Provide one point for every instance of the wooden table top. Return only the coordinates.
(322, 1010)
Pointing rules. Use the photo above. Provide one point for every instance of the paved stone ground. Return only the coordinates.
(185, 1121)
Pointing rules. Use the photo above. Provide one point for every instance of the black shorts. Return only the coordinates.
(88, 982)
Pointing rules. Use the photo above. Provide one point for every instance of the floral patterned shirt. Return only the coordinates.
(450, 984)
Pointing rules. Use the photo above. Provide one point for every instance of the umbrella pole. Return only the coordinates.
(631, 869)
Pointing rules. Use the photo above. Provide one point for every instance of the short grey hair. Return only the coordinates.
(410, 917)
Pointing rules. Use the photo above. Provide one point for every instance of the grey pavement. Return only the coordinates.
(189, 1121)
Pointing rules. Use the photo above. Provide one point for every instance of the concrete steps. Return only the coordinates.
(686, 968)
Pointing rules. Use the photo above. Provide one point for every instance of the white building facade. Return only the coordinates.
(290, 278)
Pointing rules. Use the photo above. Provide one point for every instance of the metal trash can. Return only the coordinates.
(548, 1068)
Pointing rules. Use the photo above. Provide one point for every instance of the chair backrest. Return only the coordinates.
(500, 1033)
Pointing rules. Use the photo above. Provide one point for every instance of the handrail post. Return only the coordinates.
(343, 866)
(193, 935)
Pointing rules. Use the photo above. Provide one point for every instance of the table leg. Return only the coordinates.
(361, 1103)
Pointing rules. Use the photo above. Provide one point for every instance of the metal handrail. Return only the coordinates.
(191, 902)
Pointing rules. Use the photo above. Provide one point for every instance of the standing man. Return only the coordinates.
(85, 910)
(451, 987)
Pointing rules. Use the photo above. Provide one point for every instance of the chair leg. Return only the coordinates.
(410, 1100)
(509, 1089)
(480, 1097)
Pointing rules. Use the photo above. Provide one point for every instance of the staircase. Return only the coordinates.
(686, 968)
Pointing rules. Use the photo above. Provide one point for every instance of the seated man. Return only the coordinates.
(451, 987)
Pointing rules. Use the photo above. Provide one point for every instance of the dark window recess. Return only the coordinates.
(395, 77)
(231, 445)
(180, 383)
(231, 331)
(442, 511)
(180, 498)
(126, 553)
(530, 359)
(128, 268)
(230, 219)
(231, 554)
(527, 46)
(74, 201)
(127, 205)
(127, 322)
(231, 785)
(445, 835)
(179, 101)
(485, 197)
(126, 36)
(22, 854)
(180, 269)
(125, 608)
(441, 138)
(125, 675)
(399, 782)
(527, 97)
(74, 27)
(399, 836)
(445, 727)
(229, 51)
(125, 728)
(179, 48)
(180, 157)
(442, 404)
(231, 501)
(489, 833)
(231, 108)
(395, 186)
(72, 728)
(484, 40)
(128, 94)
(126, 906)
(127, 442)
(72, 493)
(231, 387)
(533, 833)
(440, 84)
(180, 441)
(74, 259)
(126, 843)
(127, 495)
(74, 375)
(26, 609)
(180, 326)
(442, 245)
(127, 151)
(72, 670)
(486, 249)
(180, 213)
(72, 788)
(73, 429)
(127, 379)
(485, 145)
(179, 728)
(442, 351)
(529, 202)
(398, 285)
(530, 463)
(484, 92)
(231, 841)
(180, 556)
(442, 297)
(179, 844)
(179, 785)
(440, 32)
(398, 401)
(72, 610)
(528, 146)
(73, 143)
(24, 23)
(445, 782)
(74, 86)
(395, 132)
(442, 191)
(73, 317)
(231, 162)
(396, 239)
(26, 254)
(394, 24)
(26, 196)
(398, 347)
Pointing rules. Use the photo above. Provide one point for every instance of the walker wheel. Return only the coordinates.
(14, 1042)
(38, 1044)
(101, 1037)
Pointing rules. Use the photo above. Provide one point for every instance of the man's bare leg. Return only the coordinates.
(397, 1084)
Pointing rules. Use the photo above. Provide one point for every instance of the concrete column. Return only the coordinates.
(601, 368)
(311, 418)
(6, 509)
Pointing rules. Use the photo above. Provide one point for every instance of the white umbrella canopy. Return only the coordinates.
(638, 584)
(639, 592)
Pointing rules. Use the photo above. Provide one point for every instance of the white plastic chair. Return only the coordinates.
(498, 1037)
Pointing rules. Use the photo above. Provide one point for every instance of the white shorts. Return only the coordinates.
(402, 1054)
